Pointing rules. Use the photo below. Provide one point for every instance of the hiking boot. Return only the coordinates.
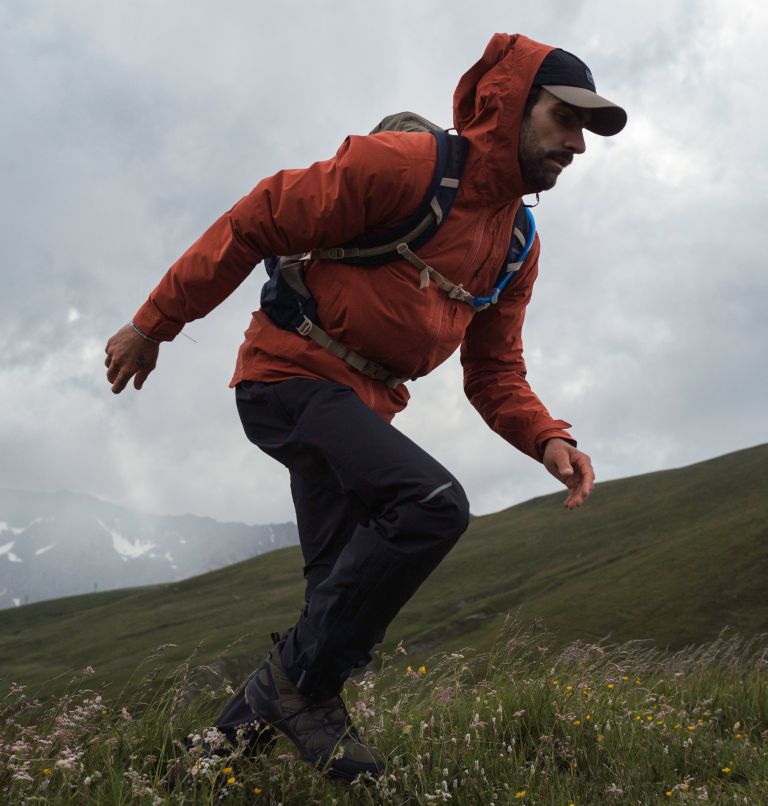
(321, 730)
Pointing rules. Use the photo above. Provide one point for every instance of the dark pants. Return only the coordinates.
(376, 514)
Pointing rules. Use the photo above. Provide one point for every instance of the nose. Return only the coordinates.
(574, 141)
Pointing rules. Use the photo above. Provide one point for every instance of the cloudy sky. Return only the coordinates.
(127, 128)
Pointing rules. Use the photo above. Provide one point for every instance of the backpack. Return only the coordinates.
(287, 301)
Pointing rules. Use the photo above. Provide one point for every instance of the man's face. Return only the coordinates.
(550, 135)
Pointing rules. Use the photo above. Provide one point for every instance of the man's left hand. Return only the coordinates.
(571, 466)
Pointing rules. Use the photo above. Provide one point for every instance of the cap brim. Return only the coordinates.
(606, 119)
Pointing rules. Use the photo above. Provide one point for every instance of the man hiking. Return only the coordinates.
(317, 387)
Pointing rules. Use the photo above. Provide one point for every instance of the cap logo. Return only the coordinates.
(590, 80)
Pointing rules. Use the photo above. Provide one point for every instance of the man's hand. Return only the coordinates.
(572, 467)
(129, 355)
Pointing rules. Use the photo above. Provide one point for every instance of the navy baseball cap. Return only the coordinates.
(570, 80)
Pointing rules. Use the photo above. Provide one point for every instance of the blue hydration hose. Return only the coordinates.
(493, 297)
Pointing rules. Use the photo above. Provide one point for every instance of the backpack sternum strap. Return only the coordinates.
(433, 218)
(453, 290)
(365, 366)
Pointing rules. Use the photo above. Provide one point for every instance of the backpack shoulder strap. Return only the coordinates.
(421, 225)
(520, 244)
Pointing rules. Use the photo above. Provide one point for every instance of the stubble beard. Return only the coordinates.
(532, 161)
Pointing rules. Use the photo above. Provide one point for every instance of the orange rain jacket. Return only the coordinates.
(371, 184)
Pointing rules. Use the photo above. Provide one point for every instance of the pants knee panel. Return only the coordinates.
(445, 511)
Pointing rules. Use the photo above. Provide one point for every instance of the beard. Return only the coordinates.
(533, 160)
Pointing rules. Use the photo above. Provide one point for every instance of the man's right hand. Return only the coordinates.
(129, 355)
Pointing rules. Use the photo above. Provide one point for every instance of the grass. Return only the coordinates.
(673, 557)
(527, 722)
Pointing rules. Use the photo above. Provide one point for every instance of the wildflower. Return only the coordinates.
(610, 685)
(47, 771)
(555, 682)
(231, 780)
(257, 790)
(520, 793)
(422, 669)
(624, 678)
(227, 770)
(649, 718)
(668, 793)
(409, 669)
(587, 718)
(407, 729)
(726, 770)
(691, 727)
(577, 722)
(637, 681)
(600, 737)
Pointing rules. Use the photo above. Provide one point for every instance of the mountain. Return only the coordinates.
(61, 544)
(671, 557)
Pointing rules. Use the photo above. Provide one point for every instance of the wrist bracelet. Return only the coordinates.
(143, 336)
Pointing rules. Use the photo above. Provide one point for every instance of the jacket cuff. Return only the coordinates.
(154, 324)
(541, 440)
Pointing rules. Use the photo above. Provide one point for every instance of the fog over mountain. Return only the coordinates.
(63, 543)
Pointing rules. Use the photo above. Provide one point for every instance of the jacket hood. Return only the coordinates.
(488, 108)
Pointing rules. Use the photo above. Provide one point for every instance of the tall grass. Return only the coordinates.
(525, 723)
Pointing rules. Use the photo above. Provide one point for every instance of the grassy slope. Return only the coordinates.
(673, 556)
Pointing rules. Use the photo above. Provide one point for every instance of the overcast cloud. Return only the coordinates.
(129, 127)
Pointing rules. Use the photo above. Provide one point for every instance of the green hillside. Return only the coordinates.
(672, 556)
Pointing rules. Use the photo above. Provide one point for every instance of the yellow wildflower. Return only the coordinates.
(726, 770)
(409, 669)
(422, 669)
(520, 794)
(600, 737)
(624, 678)
(46, 771)
(587, 718)
(257, 790)
(227, 770)
(691, 727)
(668, 793)
(231, 780)
(739, 736)
(577, 722)
(637, 681)
(555, 682)
(569, 688)
(649, 718)
(610, 685)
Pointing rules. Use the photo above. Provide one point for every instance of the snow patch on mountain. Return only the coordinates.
(125, 547)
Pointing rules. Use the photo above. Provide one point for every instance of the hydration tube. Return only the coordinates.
(493, 297)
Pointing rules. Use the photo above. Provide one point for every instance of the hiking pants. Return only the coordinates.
(375, 513)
